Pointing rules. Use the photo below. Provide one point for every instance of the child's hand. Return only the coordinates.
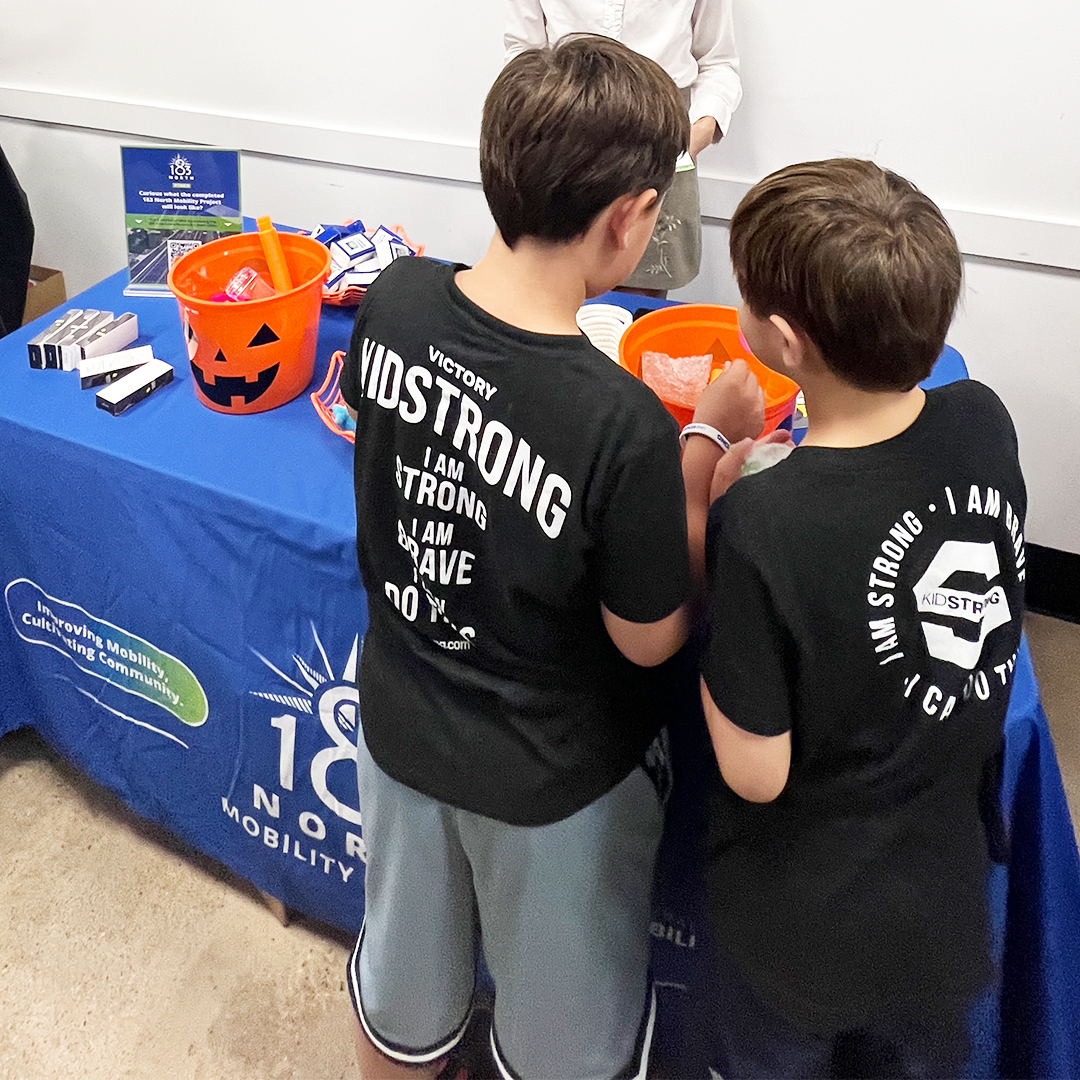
(780, 436)
(729, 467)
(733, 403)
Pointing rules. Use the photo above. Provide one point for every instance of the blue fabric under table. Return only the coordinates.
(183, 538)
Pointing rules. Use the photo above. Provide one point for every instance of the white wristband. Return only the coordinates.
(708, 431)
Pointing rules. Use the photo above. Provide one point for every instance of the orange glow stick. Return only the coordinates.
(275, 257)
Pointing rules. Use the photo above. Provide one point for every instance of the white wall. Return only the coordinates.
(408, 68)
(1019, 330)
(72, 178)
(975, 100)
(978, 101)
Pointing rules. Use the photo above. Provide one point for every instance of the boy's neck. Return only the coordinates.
(536, 286)
(840, 415)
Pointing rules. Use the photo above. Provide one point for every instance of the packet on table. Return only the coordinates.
(357, 257)
(389, 246)
(352, 250)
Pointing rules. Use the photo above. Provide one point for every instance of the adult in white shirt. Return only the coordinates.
(694, 42)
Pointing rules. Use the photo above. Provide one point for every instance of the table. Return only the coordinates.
(206, 556)
(182, 619)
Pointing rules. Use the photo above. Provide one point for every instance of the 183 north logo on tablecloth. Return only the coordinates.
(312, 835)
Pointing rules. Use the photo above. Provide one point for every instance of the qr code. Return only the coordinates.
(177, 248)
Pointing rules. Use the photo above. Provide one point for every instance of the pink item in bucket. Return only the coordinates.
(248, 284)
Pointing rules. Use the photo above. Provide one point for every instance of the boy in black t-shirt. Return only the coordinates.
(525, 533)
(866, 611)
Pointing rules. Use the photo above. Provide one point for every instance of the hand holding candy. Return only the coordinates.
(733, 403)
(734, 463)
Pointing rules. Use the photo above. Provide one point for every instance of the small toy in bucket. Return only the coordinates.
(247, 284)
(275, 255)
(692, 332)
(252, 356)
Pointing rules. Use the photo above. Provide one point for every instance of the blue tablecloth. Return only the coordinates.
(182, 620)
(211, 555)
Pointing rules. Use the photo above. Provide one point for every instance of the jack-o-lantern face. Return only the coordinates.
(241, 364)
(220, 387)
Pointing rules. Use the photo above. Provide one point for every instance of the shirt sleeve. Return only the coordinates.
(640, 554)
(747, 662)
(717, 90)
(525, 28)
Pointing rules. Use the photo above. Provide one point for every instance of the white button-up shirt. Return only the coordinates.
(692, 40)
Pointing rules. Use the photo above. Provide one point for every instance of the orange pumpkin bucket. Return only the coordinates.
(252, 356)
(693, 330)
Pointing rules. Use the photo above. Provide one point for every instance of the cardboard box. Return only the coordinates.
(70, 348)
(89, 318)
(36, 345)
(45, 292)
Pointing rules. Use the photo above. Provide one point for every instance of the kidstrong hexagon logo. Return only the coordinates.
(985, 610)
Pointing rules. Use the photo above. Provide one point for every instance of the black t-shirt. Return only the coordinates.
(507, 483)
(869, 600)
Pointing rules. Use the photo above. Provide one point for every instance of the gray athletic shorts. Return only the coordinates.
(562, 911)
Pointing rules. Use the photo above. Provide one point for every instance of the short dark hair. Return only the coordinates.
(567, 130)
(856, 257)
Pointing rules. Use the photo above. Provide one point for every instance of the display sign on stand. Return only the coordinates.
(175, 198)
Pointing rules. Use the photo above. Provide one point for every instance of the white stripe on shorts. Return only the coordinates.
(423, 1057)
(646, 1043)
(643, 1062)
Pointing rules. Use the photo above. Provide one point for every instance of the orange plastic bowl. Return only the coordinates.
(691, 330)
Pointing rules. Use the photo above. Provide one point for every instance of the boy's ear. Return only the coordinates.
(628, 213)
(796, 348)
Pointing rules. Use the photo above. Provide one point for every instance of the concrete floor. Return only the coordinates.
(1055, 648)
(125, 955)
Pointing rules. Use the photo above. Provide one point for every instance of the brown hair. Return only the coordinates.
(567, 130)
(859, 259)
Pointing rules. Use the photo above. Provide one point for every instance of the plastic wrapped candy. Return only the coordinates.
(677, 380)
(764, 456)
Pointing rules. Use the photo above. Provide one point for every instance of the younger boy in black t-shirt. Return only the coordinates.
(865, 615)
(522, 533)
